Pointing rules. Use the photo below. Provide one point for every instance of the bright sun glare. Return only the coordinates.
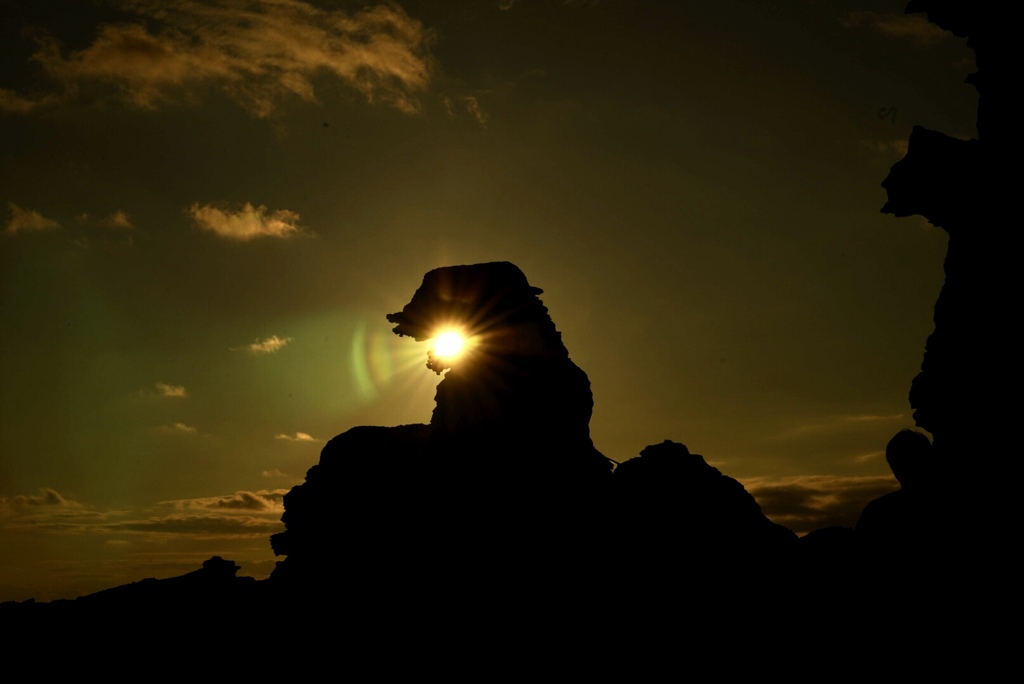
(449, 344)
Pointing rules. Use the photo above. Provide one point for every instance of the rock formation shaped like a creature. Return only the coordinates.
(505, 478)
(506, 462)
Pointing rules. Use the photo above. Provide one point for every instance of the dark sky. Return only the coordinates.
(209, 207)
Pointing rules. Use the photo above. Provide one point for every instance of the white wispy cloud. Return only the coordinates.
(177, 391)
(247, 223)
(21, 220)
(259, 53)
(268, 345)
(913, 27)
(276, 473)
(180, 427)
(298, 437)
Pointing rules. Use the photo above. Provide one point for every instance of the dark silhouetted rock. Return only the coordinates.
(514, 390)
(905, 525)
(363, 499)
(834, 543)
(964, 393)
(673, 509)
(687, 543)
(214, 583)
(505, 473)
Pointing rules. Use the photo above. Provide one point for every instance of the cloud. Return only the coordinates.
(267, 345)
(248, 223)
(180, 427)
(207, 526)
(891, 149)
(263, 500)
(243, 514)
(473, 107)
(121, 546)
(47, 500)
(177, 391)
(259, 53)
(11, 101)
(470, 103)
(275, 473)
(118, 219)
(299, 437)
(199, 526)
(912, 27)
(841, 424)
(811, 502)
(26, 219)
(869, 457)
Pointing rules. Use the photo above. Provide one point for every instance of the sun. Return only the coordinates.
(449, 344)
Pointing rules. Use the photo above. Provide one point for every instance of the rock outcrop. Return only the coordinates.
(505, 479)
(963, 393)
(673, 514)
(514, 394)
(504, 472)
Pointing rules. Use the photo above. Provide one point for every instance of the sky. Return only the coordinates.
(208, 208)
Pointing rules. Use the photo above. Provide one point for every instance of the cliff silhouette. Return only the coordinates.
(961, 496)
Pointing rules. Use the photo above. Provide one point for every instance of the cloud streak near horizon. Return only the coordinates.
(809, 502)
(244, 514)
(258, 53)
